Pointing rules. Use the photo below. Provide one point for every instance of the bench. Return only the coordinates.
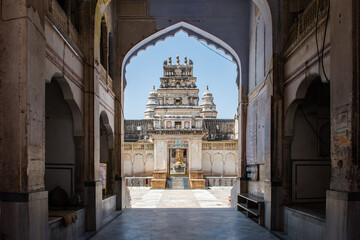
(252, 206)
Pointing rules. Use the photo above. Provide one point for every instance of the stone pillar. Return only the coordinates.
(195, 155)
(92, 185)
(343, 198)
(24, 205)
(160, 155)
(160, 164)
(241, 185)
(196, 175)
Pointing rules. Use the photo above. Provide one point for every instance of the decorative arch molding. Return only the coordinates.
(128, 156)
(192, 31)
(140, 156)
(99, 11)
(128, 164)
(222, 156)
(105, 120)
(208, 154)
(70, 100)
(299, 97)
(265, 11)
(230, 154)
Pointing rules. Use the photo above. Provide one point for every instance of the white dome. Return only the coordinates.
(207, 93)
(151, 104)
(207, 105)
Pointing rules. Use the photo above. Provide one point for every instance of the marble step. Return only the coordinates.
(178, 183)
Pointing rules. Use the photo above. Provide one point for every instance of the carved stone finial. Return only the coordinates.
(154, 87)
(177, 60)
(185, 60)
(169, 60)
(207, 87)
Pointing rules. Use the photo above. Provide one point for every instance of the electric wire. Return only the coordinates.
(214, 50)
(313, 129)
(316, 37)
(320, 53)
(323, 47)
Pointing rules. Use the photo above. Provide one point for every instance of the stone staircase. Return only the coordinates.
(178, 183)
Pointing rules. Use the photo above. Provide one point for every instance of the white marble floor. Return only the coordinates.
(215, 197)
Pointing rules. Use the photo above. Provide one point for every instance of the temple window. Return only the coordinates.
(104, 44)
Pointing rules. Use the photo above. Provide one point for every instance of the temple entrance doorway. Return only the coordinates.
(178, 162)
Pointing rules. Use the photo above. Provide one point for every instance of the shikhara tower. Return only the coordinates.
(176, 103)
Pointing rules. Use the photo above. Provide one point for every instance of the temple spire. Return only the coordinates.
(170, 60)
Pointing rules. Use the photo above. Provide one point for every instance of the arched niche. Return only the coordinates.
(106, 158)
(218, 164)
(69, 98)
(292, 104)
(230, 164)
(99, 12)
(63, 133)
(128, 165)
(149, 163)
(307, 152)
(104, 121)
(138, 164)
(104, 43)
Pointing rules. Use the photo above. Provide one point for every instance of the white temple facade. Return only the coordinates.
(180, 137)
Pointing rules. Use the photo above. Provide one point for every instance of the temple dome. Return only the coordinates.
(151, 104)
(207, 93)
(207, 105)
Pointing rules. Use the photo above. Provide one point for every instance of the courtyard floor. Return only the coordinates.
(182, 224)
(215, 197)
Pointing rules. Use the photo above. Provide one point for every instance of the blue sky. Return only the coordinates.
(146, 68)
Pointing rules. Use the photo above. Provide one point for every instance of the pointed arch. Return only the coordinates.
(70, 100)
(105, 120)
(298, 98)
(99, 12)
(192, 31)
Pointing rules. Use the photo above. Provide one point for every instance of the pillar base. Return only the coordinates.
(93, 200)
(24, 215)
(342, 215)
(122, 193)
